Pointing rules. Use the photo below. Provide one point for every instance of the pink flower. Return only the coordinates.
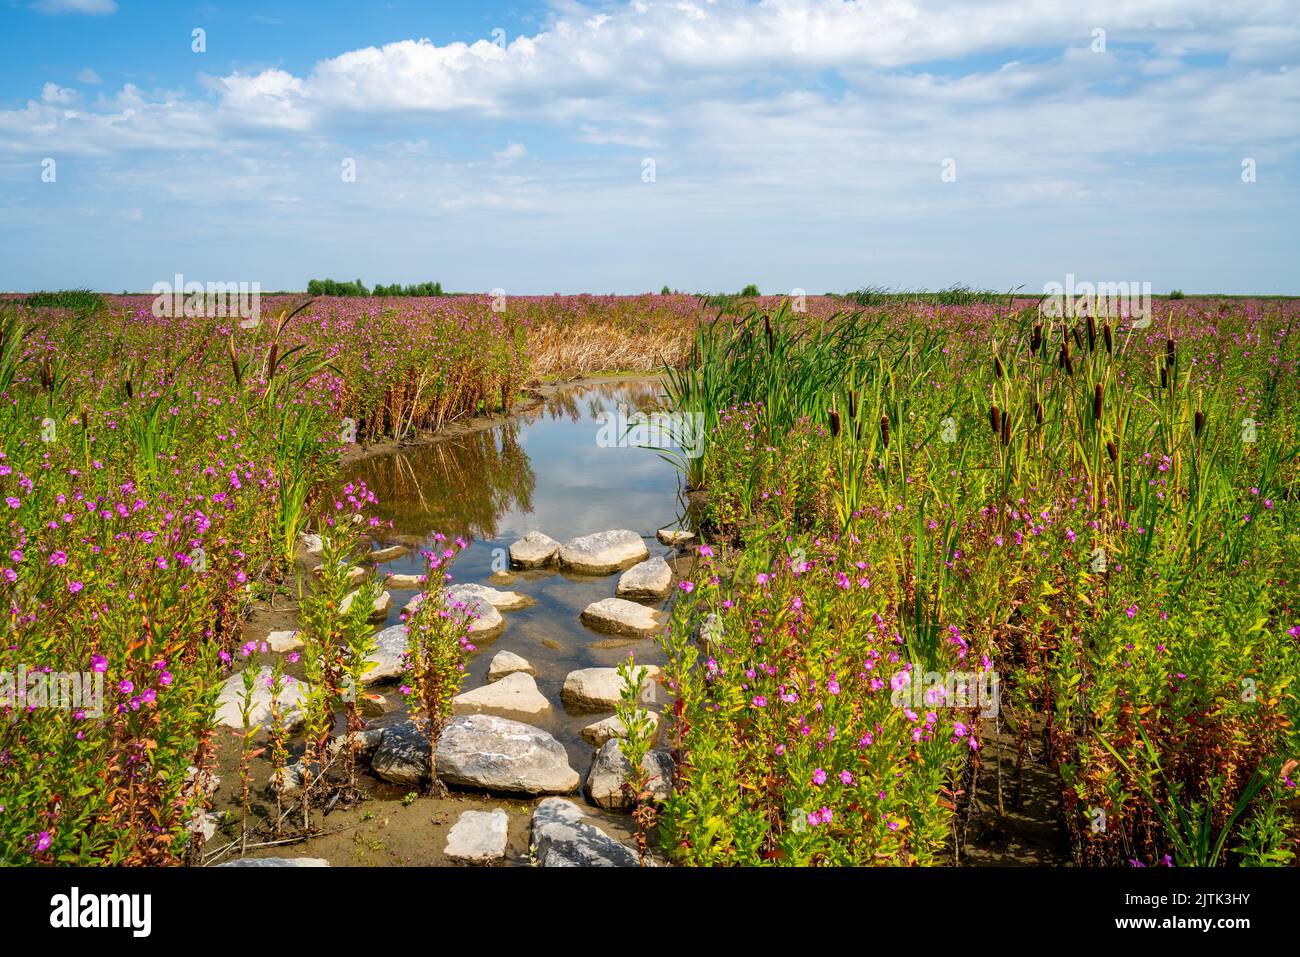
(687, 587)
(819, 777)
(98, 663)
(846, 777)
(75, 587)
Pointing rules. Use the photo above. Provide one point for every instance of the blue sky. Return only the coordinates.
(793, 143)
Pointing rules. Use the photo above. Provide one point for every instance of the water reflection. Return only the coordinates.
(459, 486)
(544, 470)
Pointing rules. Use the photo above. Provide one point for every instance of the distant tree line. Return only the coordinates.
(332, 287)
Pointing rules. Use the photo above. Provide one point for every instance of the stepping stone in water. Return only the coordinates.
(652, 578)
(487, 619)
(365, 743)
(478, 837)
(603, 552)
(230, 702)
(381, 555)
(403, 756)
(378, 613)
(283, 641)
(515, 695)
(598, 732)
(498, 754)
(356, 574)
(375, 705)
(674, 536)
(388, 656)
(500, 600)
(403, 582)
(507, 663)
(533, 551)
(609, 769)
(618, 616)
(565, 837)
(600, 689)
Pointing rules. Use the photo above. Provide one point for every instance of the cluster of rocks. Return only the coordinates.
(483, 749)
(489, 744)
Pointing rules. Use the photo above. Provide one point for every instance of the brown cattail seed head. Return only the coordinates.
(998, 370)
(1078, 337)
(1036, 340)
(1164, 377)
(884, 430)
(835, 424)
(1096, 403)
(1110, 342)
(995, 419)
(1169, 353)
(1006, 429)
(1112, 451)
(1199, 423)
(1092, 334)
(1038, 412)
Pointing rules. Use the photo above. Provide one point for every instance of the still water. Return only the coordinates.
(547, 470)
